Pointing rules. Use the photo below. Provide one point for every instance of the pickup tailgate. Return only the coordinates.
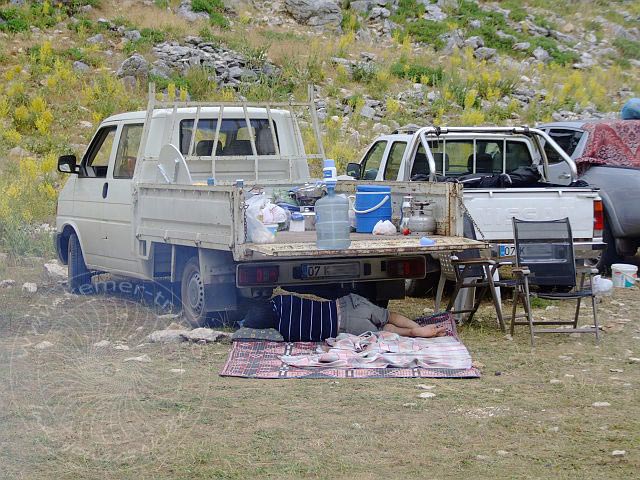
(493, 209)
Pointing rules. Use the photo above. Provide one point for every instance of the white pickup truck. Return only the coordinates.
(142, 204)
(470, 153)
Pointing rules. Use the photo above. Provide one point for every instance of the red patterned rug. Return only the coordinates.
(260, 359)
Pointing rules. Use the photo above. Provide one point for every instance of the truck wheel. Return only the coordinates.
(609, 254)
(192, 294)
(78, 274)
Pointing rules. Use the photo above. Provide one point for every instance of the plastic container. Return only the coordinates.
(624, 275)
(329, 171)
(332, 221)
(297, 222)
(373, 203)
(272, 227)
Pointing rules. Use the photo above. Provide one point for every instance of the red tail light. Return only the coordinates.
(598, 218)
(414, 267)
(262, 275)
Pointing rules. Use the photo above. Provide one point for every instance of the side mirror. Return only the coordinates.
(67, 164)
(353, 170)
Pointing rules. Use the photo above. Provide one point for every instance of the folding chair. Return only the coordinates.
(545, 260)
(470, 272)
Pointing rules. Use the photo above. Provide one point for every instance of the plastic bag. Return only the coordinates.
(273, 214)
(256, 231)
(384, 228)
(602, 286)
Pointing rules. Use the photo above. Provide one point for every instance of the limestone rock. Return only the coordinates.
(166, 336)
(134, 66)
(8, 283)
(205, 335)
(80, 67)
(54, 272)
(102, 344)
(43, 345)
(29, 287)
(99, 38)
(141, 359)
(185, 11)
(314, 12)
(541, 54)
(484, 53)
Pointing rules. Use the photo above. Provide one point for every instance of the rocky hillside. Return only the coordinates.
(376, 64)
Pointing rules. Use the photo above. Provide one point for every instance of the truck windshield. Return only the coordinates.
(454, 158)
(233, 140)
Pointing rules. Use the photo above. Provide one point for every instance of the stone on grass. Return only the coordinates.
(205, 335)
(554, 381)
(17, 153)
(102, 344)
(177, 370)
(141, 359)
(99, 38)
(410, 404)
(124, 348)
(425, 387)
(29, 287)
(484, 53)
(427, 395)
(618, 453)
(80, 67)
(600, 404)
(541, 54)
(633, 360)
(616, 370)
(54, 271)
(8, 283)
(314, 12)
(132, 35)
(554, 429)
(43, 345)
(134, 66)
(185, 11)
(502, 453)
(166, 336)
(368, 112)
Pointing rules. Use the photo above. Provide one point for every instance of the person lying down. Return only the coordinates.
(300, 319)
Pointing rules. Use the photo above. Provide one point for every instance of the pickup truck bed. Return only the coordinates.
(362, 245)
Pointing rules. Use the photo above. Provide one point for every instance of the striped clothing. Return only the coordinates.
(299, 319)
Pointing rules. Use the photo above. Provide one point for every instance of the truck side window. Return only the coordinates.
(96, 162)
(421, 163)
(459, 152)
(127, 152)
(517, 155)
(233, 139)
(566, 139)
(372, 161)
(393, 162)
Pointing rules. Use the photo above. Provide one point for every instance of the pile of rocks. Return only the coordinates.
(227, 67)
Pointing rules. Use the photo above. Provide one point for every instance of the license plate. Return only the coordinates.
(506, 250)
(334, 270)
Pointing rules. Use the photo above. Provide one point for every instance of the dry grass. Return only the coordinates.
(76, 411)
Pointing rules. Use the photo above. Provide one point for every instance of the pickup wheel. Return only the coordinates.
(192, 293)
(609, 254)
(78, 274)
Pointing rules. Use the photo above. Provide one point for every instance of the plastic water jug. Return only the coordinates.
(332, 221)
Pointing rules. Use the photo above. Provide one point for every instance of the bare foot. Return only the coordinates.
(429, 331)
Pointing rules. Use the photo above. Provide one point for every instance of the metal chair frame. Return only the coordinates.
(522, 292)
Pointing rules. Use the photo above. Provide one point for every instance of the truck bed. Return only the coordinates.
(303, 244)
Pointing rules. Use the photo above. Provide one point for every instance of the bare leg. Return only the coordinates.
(408, 328)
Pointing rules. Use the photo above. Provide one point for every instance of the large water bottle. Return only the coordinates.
(332, 215)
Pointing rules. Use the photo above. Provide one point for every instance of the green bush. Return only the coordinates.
(417, 73)
(628, 48)
(15, 20)
(20, 239)
(215, 9)
(427, 31)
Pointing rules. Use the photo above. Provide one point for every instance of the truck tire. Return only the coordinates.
(609, 254)
(192, 294)
(78, 274)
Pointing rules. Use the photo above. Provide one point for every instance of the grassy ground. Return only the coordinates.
(74, 410)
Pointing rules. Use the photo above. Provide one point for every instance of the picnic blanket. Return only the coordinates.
(384, 349)
(263, 359)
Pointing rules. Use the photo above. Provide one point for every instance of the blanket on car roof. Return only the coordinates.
(383, 350)
(615, 144)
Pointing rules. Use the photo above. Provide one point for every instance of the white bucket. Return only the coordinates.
(624, 275)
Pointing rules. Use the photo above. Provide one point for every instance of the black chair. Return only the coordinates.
(546, 268)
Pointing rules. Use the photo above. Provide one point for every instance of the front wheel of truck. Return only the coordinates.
(192, 293)
(79, 276)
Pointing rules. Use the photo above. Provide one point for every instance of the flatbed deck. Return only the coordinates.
(303, 244)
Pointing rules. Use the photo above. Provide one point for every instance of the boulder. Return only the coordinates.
(541, 54)
(205, 335)
(484, 53)
(379, 12)
(134, 66)
(132, 35)
(474, 42)
(314, 12)
(185, 11)
(99, 38)
(8, 283)
(80, 67)
(16, 153)
(521, 46)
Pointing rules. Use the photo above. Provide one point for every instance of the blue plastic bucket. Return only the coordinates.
(373, 203)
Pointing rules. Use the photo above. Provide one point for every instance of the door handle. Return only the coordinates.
(105, 189)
